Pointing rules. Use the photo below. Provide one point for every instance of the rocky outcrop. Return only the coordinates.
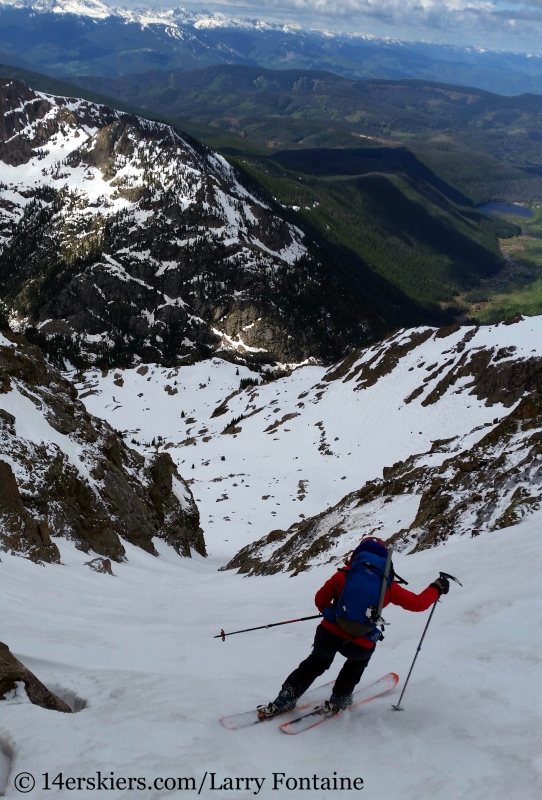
(490, 485)
(174, 506)
(27, 124)
(20, 532)
(494, 374)
(14, 675)
(66, 473)
(477, 480)
(384, 361)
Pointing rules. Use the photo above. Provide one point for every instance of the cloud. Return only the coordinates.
(511, 24)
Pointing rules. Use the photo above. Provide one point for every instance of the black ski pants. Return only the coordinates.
(326, 645)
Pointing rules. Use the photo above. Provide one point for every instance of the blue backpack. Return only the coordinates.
(357, 605)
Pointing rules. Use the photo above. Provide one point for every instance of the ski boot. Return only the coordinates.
(336, 703)
(285, 701)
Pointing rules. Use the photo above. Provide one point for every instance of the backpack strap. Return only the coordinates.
(397, 578)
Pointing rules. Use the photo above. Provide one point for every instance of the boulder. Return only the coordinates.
(13, 672)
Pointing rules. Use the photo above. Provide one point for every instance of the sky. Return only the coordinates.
(508, 25)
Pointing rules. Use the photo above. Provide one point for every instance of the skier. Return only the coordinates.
(332, 638)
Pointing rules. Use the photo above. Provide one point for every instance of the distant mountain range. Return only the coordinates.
(65, 38)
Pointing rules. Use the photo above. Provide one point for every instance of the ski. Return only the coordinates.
(317, 716)
(309, 701)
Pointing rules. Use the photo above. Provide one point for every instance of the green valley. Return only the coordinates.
(517, 288)
(396, 218)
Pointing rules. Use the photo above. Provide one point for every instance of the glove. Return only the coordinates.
(442, 585)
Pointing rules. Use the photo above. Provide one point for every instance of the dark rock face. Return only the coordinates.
(493, 379)
(22, 533)
(131, 239)
(26, 123)
(76, 478)
(100, 564)
(13, 672)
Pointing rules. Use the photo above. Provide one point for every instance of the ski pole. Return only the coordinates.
(442, 575)
(223, 635)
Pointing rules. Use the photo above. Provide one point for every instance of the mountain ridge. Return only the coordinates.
(312, 459)
(177, 38)
(89, 177)
(463, 485)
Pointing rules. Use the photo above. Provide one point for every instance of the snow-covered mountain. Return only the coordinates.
(121, 238)
(455, 489)
(115, 230)
(133, 653)
(426, 435)
(173, 18)
(178, 18)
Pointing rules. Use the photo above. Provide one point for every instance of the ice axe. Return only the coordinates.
(442, 575)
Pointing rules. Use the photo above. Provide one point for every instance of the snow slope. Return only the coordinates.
(134, 653)
(305, 441)
(138, 649)
(157, 158)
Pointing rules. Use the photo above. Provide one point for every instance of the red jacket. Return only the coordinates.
(394, 594)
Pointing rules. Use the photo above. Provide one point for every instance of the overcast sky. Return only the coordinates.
(506, 24)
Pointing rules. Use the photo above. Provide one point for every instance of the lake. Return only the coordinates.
(505, 208)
